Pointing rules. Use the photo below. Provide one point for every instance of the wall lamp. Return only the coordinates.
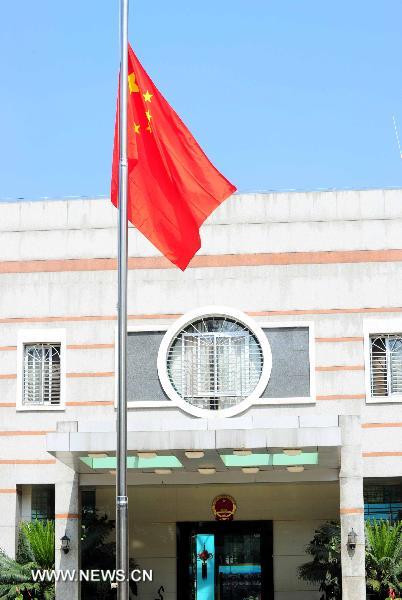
(65, 544)
(352, 539)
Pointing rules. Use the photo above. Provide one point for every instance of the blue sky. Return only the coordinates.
(284, 94)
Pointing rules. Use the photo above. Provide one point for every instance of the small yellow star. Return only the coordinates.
(149, 116)
(137, 128)
(132, 84)
(147, 96)
(149, 129)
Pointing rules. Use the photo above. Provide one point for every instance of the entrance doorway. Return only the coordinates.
(225, 560)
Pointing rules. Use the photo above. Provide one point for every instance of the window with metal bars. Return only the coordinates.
(215, 363)
(383, 501)
(42, 375)
(386, 364)
(42, 502)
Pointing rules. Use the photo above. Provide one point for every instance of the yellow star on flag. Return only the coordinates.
(149, 116)
(147, 96)
(137, 128)
(149, 129)
(132, 84)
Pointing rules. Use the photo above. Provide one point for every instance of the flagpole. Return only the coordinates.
(122, 554)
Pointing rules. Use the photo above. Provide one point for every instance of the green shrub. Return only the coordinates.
(383, 557)
(325, 567)
(35, 551)
(40, 537)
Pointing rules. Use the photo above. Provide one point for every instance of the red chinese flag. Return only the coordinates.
(172, 186)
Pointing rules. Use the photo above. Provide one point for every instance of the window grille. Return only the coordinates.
(42, 503)
(41, 374)
(383, 501)
(215, 363)
(386, 364)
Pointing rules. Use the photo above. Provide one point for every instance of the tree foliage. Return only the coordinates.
(325, 567)
(98, 551)
(35, 551)
(40, 537)
(16, 580)
(384, 557)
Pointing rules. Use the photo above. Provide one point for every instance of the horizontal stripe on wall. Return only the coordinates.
(23, 461)
(8, 490)
(69, 347)
(341, 368)
(66, 319)
(89, 403)
(380, 425)
(95, 374)
(156, 316)
(89, 346)
(19, 433)
(342, 397)
(203, 261)
(356, 339)
(71, 375)
(352, 511)
(86, 403)
(380, 454)
(66, 516)
(323, 311)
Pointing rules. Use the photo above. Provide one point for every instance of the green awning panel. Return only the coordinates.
(133, 462)
(270, 460)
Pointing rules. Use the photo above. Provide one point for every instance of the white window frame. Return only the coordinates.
(215, 336)
(256, 325)
(378, 327)
(40, 336)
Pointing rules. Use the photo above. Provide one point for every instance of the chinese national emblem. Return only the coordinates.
(224, 507)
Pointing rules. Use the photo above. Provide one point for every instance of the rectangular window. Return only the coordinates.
(42, 374)
(383, 501)
(217, 364)
(41, 370)
(386, 365)
(42, 503)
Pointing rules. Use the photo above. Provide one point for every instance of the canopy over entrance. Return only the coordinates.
(187, 457)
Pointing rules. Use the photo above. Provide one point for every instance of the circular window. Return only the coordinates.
(214, 361)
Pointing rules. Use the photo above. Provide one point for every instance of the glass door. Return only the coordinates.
(203, 557)
(225, 561)
(239, 566)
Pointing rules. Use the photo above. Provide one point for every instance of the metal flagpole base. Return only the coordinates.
(122, 556)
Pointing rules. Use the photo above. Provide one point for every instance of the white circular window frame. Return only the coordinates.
(207, 312)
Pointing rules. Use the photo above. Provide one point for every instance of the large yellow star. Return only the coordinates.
(132, 84)
(137, 128)
(149, 116)
(147, 96)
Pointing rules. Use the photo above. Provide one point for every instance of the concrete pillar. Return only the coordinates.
(67, 522)
(352, 509)
(9, 519)
(26, 502)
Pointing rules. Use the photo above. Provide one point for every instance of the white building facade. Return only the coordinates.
(269, 372)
